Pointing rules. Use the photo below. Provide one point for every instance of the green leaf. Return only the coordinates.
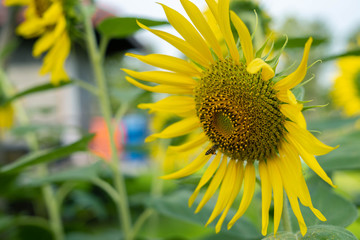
(325, 199)
(354, 52)
(298, 42)
(36, 89)
(346, 157)
(76, 174)
(124, 27)
(47, 155)
(175, 206)
(319, 232)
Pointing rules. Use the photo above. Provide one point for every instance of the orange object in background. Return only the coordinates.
(100, 145)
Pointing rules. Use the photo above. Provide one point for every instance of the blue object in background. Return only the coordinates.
(136, 127)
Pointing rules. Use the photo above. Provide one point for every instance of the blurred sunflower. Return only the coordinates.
(46, 19)
(243, 114)
(6, 116)
(346, 93)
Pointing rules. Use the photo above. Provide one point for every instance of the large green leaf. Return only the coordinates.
(175, 206)
(80, 173)
(36, 89)
(337, 210)
(124, 27)
(319, 232)
(354, 52)
(47, 155)
(298, 42)
(346, 157)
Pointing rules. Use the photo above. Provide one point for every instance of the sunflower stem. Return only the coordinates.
(97, 63)
(285, 218)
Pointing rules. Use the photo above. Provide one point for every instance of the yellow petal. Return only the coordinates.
(213, 8)
(180, 44)
(294, 113)
(161, 77)
(277, 186)
(310, 160)
(265, 196)
(224, 24)
(6, 116)
(168, 63)
(180, 105)
(208, 174)
(245, 38)
(188, 32)
(200, 23)
(310, 143)
(298, 75)
(235, 191)
(49, 38)
(179, 128)
(195, 142)
(16, 2)
(257, 64)
(161, 88)
(30, 28)
(214, 184)
(225, 191)
(249, 188)
(194, 166)
(53, 13)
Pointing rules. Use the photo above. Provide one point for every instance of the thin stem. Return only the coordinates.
(96, 60)
(107, 188)
(103, 46)
(90, 88)
(141, 220)
(285, 218)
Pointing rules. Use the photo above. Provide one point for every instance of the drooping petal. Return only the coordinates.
(310, 143)
(195, 142)
(235, 191)
(298, 75)
(161, 88)
(191, 168)
(208, 174)
(180, 105)
(48, 39)
(213, 8)
(225, 191)
(310, 160)
(265, 196)
(257, 64)
(245, 38)
(200, 23)
(277, 186)
(293, 200)
(179, 128)
(249, 188)
(180, 44)
(161, 77)
(214, 184)
(168, 63)
(225, 27)
(290, 163)
(188, 32)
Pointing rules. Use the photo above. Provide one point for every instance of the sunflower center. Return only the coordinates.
(239, 111)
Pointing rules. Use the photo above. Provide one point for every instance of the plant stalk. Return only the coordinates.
(285, 218)
(119, 182)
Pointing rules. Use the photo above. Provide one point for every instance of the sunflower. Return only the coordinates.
(46, 19)
(346, 91)
(6, 116)
(245, 116)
